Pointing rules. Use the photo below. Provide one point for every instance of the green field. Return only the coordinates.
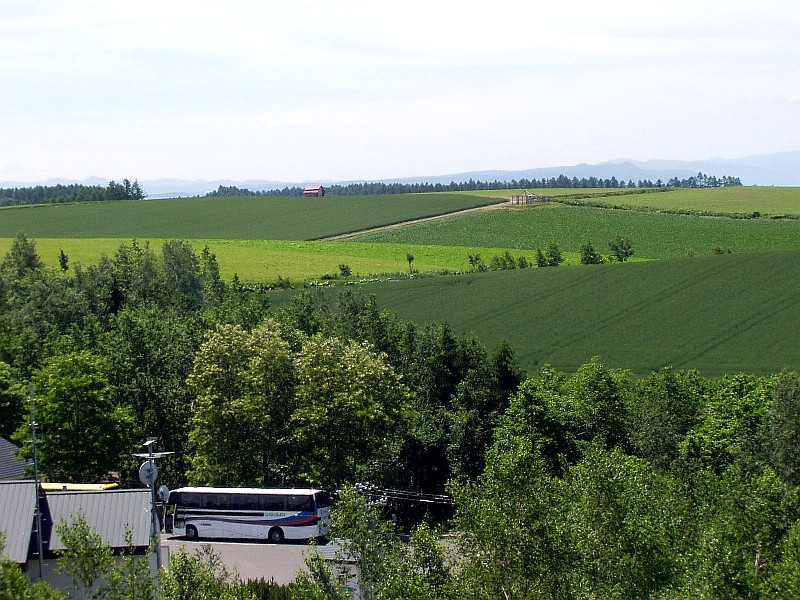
(719, 314)
(266, 260)
(782, 201)
(250, 218)
(653, 235)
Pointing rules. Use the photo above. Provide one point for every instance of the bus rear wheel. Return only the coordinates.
(275, 535)
(191, 532)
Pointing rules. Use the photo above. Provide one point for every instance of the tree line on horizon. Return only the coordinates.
(74, 192)
(561, 182)
(127, 190)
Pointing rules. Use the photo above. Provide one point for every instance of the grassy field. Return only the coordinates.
(773, 201)
(719, 314)
(266, 260)
(782, 201)
(653, 235)
(251, 218)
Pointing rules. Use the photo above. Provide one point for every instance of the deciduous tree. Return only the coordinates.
(349, 402)
(244, 385)
(81, 435)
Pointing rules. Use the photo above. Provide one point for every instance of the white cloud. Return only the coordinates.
(353, 89)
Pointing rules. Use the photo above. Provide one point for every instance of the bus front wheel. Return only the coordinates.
(275, 535)
(191, 532)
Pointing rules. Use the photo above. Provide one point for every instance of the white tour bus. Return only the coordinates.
(250, 513)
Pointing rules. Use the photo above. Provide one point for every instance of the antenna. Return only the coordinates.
(36, 479)
(148, 472)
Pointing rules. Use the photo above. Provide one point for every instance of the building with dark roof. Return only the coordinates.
(10, 466)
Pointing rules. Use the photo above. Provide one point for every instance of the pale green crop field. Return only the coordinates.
(266, 260)
(770, 201)
(743, 200)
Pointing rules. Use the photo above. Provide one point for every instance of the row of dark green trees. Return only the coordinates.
(562, 181)
(589, 484)
(74, 192)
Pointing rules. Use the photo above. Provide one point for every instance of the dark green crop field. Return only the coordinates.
(718, 314)
(653, 235)
(249, 218)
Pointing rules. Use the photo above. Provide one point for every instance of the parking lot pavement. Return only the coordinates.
(251, 560)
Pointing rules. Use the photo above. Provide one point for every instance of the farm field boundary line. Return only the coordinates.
(356, 234)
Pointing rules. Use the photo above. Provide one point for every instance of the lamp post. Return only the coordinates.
(148, 472)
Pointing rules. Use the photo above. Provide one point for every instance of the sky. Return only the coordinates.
(304, 91)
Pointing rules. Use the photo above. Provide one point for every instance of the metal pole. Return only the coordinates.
(154, 528)
(36, 481)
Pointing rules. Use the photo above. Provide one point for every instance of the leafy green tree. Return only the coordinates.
(12, 401)
(384, 567)
(590, 256)
(534, 417)
(551, 255)
(86, 559)
(739, 524)
(21, 257)
(730, 426)
(81, 435)
(596, 400)
(16, 585)
(664, 406)
(782, 427)
(200, 576)
(621, 248)
(476, 262)
(63, 261)
(244, 386)
(348, 417)
(43, 314)
(213, 286)
(621, 524)
(150, 353)
(184, 283)
(784, 578)
(508, 522)
(479, 402)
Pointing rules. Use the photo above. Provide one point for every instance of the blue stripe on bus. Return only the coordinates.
(293, 521)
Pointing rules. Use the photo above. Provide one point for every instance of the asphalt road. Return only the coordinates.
(250, 560)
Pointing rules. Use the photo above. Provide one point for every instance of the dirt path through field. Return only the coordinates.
(355, 234)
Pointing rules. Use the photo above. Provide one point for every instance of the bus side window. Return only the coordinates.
(271, 502)
(244, 502)
(300, 503)
(216, 500)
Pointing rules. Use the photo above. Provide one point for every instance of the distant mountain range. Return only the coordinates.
(781, 169)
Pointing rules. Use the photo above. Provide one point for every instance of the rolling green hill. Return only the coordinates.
(718, 314)
(248, 218)
(654, 235)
